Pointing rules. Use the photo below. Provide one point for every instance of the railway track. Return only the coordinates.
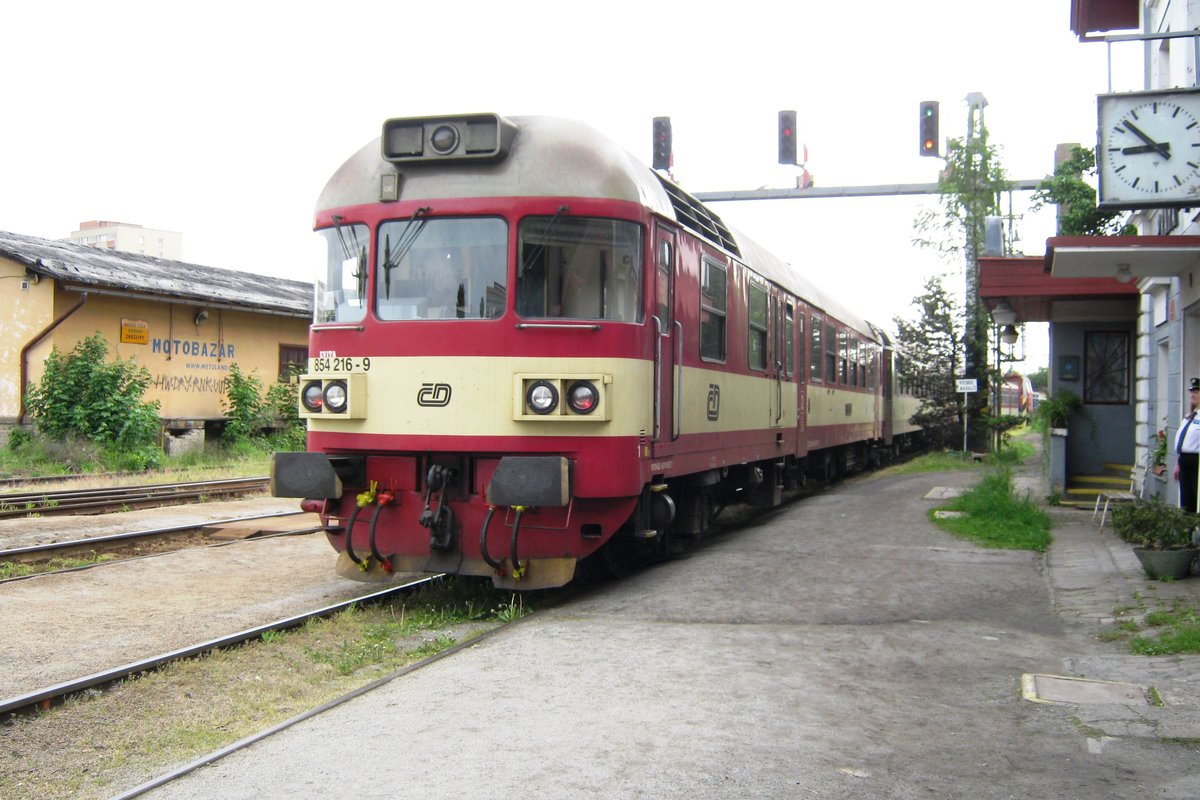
(140, 542)
(45, 697)
(124, 498)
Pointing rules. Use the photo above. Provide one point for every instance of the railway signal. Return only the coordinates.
(787, 137)
(662, 143)
(929, 128)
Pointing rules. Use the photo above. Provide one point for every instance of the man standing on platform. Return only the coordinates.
(1187, 451)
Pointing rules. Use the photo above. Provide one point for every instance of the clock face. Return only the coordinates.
(1148, 154)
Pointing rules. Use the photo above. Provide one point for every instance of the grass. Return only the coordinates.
(13, 569)
(39, 458)
(98, 744)
(940, 461)
(993, 516)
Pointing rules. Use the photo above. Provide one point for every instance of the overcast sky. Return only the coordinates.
(223, 120)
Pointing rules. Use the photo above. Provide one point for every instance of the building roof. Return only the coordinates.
(90, 268)
(1121, 256)
(1035, 295)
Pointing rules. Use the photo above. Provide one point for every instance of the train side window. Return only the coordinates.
(713, 301)
(852, 350)
(580, 268)
(831, 353)
(816, 360)
(756, 303)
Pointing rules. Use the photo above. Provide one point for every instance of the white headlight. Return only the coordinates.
(336, 397)
(542, 397)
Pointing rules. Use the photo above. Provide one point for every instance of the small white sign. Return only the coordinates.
(966, 385)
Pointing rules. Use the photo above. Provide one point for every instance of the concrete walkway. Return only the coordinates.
(842, 647)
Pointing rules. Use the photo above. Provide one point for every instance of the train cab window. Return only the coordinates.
(341, 287)
(816, 360)
(713, 294)
(756, 303)
(448, 268)
(579, 268)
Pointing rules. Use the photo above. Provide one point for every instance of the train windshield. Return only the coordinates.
(341, 288)
(441, 268)
(579, 268)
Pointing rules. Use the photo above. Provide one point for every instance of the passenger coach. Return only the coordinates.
(531, 349)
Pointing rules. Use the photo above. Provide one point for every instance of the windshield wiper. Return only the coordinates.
(408, 237)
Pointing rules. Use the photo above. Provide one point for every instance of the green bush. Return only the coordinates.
(250, 412)
(243, 406)
(83, 394)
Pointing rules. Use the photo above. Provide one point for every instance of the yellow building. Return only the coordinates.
(185, 323)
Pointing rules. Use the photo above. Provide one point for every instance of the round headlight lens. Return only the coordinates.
(444, 139)
(336, 396)
(542, 397)
(311, 396)
(583, 397)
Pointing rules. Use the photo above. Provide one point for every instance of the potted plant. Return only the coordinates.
(1158, 453)
(1056, 410)
(1161, 536)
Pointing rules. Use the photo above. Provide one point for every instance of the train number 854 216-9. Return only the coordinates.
(339, 364)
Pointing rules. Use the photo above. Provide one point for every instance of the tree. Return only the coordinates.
(1076, 199)
(1039, 379)
(970, 187)
(929, 349)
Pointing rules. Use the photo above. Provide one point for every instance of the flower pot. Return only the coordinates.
(1174, 564)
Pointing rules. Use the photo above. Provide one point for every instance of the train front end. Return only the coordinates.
(480, 361)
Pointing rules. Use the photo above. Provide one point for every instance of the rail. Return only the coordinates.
(108, 499)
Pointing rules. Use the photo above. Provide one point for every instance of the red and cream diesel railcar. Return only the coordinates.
(529, 348)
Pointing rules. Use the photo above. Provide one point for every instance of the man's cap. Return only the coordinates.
(1195, 387)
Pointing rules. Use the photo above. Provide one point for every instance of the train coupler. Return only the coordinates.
(440, 522)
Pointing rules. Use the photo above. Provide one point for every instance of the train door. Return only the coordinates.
(668, 342)
(885, 385)
(780, 358)
(778, 361)
(796, 343)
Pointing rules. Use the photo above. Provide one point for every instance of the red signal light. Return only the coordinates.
(787, 137)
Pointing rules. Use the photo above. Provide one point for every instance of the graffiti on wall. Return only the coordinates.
(205, 356)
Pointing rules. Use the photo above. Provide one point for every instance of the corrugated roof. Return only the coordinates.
(75, 264)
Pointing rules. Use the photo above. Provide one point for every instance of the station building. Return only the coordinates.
(1124, 310)
(185, 323)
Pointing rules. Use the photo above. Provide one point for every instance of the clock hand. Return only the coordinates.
(1162, 148)
(1144, 148)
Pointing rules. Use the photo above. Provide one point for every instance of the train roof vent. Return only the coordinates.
(697, 217)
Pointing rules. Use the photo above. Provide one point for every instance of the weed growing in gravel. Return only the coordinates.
(995, 517)
(1166, 630)
(12, 569)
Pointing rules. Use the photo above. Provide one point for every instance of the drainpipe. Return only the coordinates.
(36, 341)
